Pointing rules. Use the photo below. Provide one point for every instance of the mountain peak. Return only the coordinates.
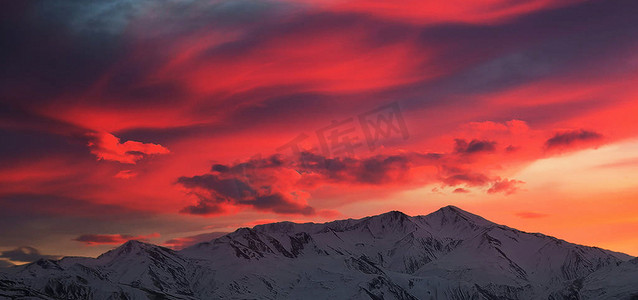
(451, 210)
(390, 217)
(135, 244)
(130, 247)
(394, 214)
(450, 207)
(284, 226)
(452, 215)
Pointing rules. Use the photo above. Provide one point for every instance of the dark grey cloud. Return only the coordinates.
(569, 138)
(224, 187)
(470, 179)
(474, 146)
(374, 170)
(204, 207)
(236, 191)
(254, 183)
(25, 254)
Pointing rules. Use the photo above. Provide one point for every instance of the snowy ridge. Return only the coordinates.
(448, 254)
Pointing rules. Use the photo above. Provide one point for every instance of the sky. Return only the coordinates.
(175, 121)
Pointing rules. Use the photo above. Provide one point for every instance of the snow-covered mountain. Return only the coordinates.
(448, 254)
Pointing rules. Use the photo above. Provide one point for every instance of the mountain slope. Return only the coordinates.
(448, 254)
(613, 282)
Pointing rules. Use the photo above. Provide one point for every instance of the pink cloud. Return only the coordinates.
(108, 147)
(506, 186)
(125, 174)
(530, 215)
(460, 191)
(111, 239)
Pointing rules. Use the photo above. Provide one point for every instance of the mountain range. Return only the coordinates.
(448, 254)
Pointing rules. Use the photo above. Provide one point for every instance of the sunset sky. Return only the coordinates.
(171, 121)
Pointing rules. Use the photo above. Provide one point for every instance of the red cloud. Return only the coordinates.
(460, 191)
(419, 11)
(507, 186)
(530, 215)
(108, 147)
(284, 185)
(512, 126)
(125, 174)
(342, 61)
(111, 239)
